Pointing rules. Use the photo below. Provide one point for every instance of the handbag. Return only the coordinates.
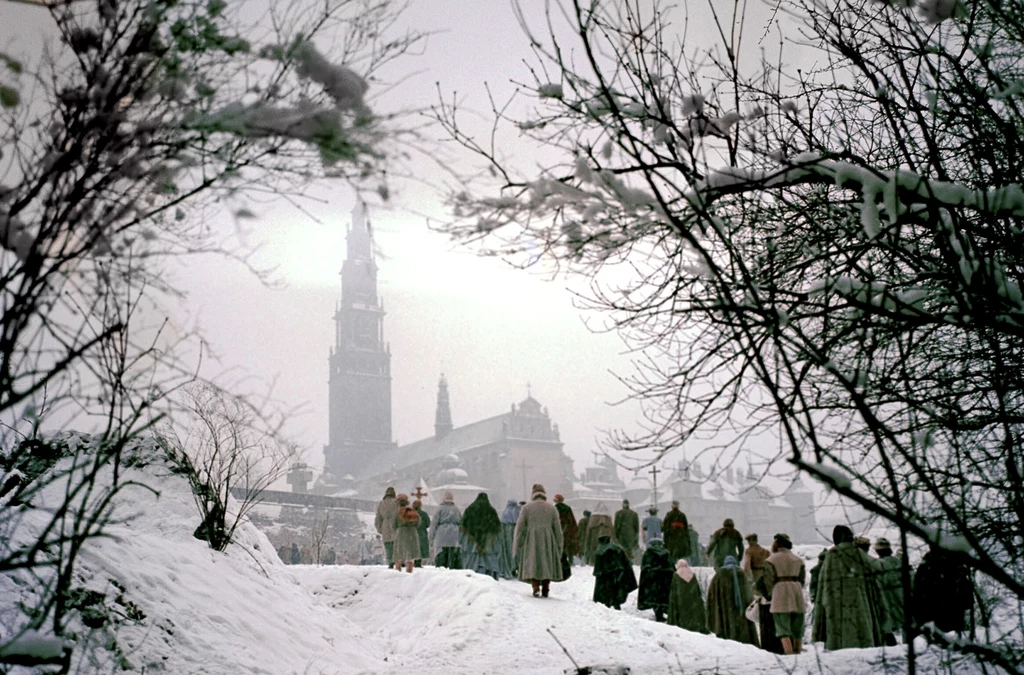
(753, 612)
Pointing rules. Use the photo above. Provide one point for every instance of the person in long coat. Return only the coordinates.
(422, 530)
(890, 582)
(726, 541)
(445, 535)
(538, 543)
(600, 524)
(849, 610)
(784, 577)
(509, 517)
(614, 579)
(754, 558)
(407, 539)
(675, 529)
(656, 570)
(570, 530)
(685, 605)
(728, 597)
(384, 521)
(481, 531)
(627, 529)
(943, 591)
(651, 526)
(581, 535)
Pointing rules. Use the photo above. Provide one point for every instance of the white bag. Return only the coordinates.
(752, 611)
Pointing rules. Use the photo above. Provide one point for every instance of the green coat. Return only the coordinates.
(614, 579)
(656, 571)
(627, 530)
(850, 608)
(891, 585)
(726, 617)
(685, 605)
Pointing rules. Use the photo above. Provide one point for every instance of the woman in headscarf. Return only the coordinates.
(685, 605)
(728, 597)
(480, 530)
(407, 541)
(445, 535)
(600, 524)
(509, 517)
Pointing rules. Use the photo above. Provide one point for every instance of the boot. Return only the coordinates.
(536, 587)
(545, 588)
(408, 567)
(418, 563)
(659, 616)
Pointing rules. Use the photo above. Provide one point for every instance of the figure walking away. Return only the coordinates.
(943, 591)
(726, 541)
(570, 531)
(407, 540)
(481, 529)
(675, 531)
(728, 597)
(784, 578)
(656, 570)
(538, 543)
(849, 606)
(422, 532)
(614, 579)
(445, 535)
(600, 524)
(651, 526)
(385, 523)
(685, 605)
(627, 529)
(509, 517)
(581, 535)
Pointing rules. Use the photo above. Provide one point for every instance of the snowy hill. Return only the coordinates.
(243, 611)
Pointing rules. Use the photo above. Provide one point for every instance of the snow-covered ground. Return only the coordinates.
(243, 611)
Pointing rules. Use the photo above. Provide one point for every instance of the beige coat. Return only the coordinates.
(538, 541)
(385, 520)
(787, 594)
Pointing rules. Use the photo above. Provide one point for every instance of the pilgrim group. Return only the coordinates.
(756, 595)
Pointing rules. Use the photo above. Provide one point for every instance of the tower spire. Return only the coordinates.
(443, 415)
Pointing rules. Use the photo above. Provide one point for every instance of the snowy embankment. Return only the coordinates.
(243, 611)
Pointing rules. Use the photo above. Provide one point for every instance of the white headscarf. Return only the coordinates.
(684, 570)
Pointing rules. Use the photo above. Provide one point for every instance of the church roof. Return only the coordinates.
(455, 441)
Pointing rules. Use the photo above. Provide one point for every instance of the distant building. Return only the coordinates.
(503, 455)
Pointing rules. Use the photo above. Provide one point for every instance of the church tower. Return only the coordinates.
(443, 413)
(360, 362)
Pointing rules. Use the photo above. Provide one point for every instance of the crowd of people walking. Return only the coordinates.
(756, 596)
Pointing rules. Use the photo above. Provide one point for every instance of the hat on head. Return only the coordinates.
(390, 492)
(751, 537)
(448, 496)
(538, 491)
(861, 541)
(882, 544)
(652, 510)
(675, 502)
(625, 502)
(841, 534)
(404, 498)
(783, 540)
(585, 512)
(728, 523)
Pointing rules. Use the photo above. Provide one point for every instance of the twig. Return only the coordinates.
(576, 665)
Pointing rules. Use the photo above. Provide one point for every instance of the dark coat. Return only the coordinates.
(627, 530)
(581, 536)
(600, 524)
(675, 529)
(656, 572)
(570, 531)
(685, 606)
(724, 542)
(421, 529)
(614, 579)
(850, 609)
(726, 607)
(943, 592)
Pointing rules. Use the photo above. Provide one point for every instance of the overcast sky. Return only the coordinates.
(491, 329)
